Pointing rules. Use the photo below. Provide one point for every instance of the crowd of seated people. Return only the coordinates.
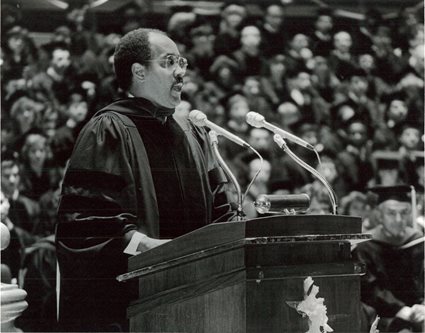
(356, 94)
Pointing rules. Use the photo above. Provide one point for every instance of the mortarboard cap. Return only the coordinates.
(409, 124)
(386, 159)
(16, 31)
(380, 194)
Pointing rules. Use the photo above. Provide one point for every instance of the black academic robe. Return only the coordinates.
(394, 274)
(128, 171)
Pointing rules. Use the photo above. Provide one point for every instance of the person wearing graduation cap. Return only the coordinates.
(387, 168)
(394, 281)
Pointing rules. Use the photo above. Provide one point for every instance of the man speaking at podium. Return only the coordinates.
(135, 180)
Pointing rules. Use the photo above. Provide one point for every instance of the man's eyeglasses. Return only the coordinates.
(171, 61)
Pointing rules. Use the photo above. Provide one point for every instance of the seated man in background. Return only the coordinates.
(394, 281)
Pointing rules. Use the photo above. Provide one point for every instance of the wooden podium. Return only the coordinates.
(248, 276)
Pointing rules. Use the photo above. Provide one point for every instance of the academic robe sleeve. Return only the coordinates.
(107, 194)
(373, 292)
(109, 176)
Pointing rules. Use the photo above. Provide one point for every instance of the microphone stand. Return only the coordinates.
(228, 172)
(332, 197)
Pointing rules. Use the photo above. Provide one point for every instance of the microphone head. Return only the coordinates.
(255, 119)
(279, 140)
(197, 117)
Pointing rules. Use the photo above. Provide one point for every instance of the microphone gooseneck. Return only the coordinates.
(332, 197)
(214, 144)
(200, 119)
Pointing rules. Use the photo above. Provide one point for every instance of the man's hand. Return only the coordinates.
(418, 313)
(139, 243)
(147, 243)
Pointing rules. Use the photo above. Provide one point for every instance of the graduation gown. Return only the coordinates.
(394, 274)
(128, 171)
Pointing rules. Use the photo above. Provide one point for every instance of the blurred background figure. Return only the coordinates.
(391, 259)
(272, 31)
(228, 36)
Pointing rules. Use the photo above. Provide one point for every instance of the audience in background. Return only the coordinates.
(355, 92)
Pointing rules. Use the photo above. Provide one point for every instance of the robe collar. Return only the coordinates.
(141, 107)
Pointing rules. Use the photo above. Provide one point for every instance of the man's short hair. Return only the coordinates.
(9, 163)
(133, 47)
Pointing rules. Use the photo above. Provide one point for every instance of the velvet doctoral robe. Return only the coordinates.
(394, 274)
(128, 171)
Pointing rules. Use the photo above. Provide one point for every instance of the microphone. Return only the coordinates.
(198, 118)
(257, 120)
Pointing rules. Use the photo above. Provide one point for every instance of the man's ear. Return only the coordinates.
(138, 70)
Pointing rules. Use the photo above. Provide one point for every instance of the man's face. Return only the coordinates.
(303, 81)
(410, 138)
(251, 87)
(388, 177)
(359, 85)
(274, 16)
(233, 20)
(239, 110)
(289, 113)
(345, 112)
(277, 68)
(299, 42)
(324, 23)
(250, 36)
(78, 111)
(16, 43)
(328, 169)
(395, 217)
(37, 154)
(163, 83)
(342, 41)
(10, 180)
(61, 60)
(357, 134)
(366, 62)
(397, 110)
(266, 169)
(260, 138)
(320, 65)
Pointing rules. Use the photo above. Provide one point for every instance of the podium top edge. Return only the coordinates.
(218, 234)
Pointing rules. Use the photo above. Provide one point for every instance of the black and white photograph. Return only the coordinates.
(229, 166)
